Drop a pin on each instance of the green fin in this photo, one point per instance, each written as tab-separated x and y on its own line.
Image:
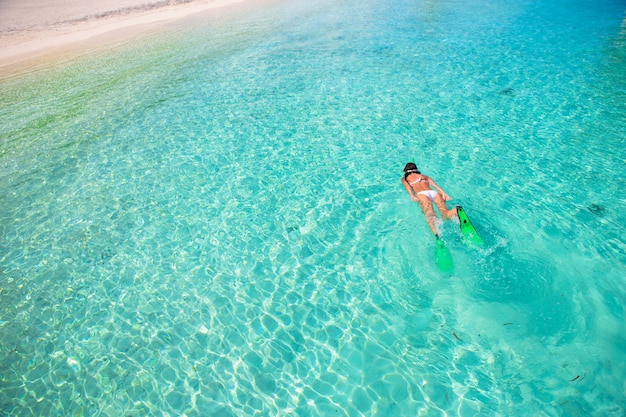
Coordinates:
443	258
467	228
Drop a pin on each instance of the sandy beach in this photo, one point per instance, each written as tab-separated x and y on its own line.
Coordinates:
33	30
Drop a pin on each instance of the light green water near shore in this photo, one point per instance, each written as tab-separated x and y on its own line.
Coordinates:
211	222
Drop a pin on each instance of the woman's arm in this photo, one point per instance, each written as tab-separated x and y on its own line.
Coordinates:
409	189
433	184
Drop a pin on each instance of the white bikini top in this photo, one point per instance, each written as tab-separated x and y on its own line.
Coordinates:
420	179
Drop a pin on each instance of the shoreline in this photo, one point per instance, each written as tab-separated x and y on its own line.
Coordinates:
27	47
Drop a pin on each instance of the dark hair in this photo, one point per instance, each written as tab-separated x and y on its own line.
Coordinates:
410	168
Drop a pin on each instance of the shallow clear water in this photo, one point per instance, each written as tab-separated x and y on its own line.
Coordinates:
211	222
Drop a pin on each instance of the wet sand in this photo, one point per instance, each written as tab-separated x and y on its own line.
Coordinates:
36	30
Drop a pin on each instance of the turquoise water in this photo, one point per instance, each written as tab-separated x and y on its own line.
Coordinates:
210	222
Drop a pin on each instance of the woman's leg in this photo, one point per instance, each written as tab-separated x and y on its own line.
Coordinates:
443	209
429	212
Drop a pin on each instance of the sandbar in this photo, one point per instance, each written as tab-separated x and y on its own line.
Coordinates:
36	30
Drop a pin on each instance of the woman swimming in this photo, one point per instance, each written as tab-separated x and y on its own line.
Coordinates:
419	188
